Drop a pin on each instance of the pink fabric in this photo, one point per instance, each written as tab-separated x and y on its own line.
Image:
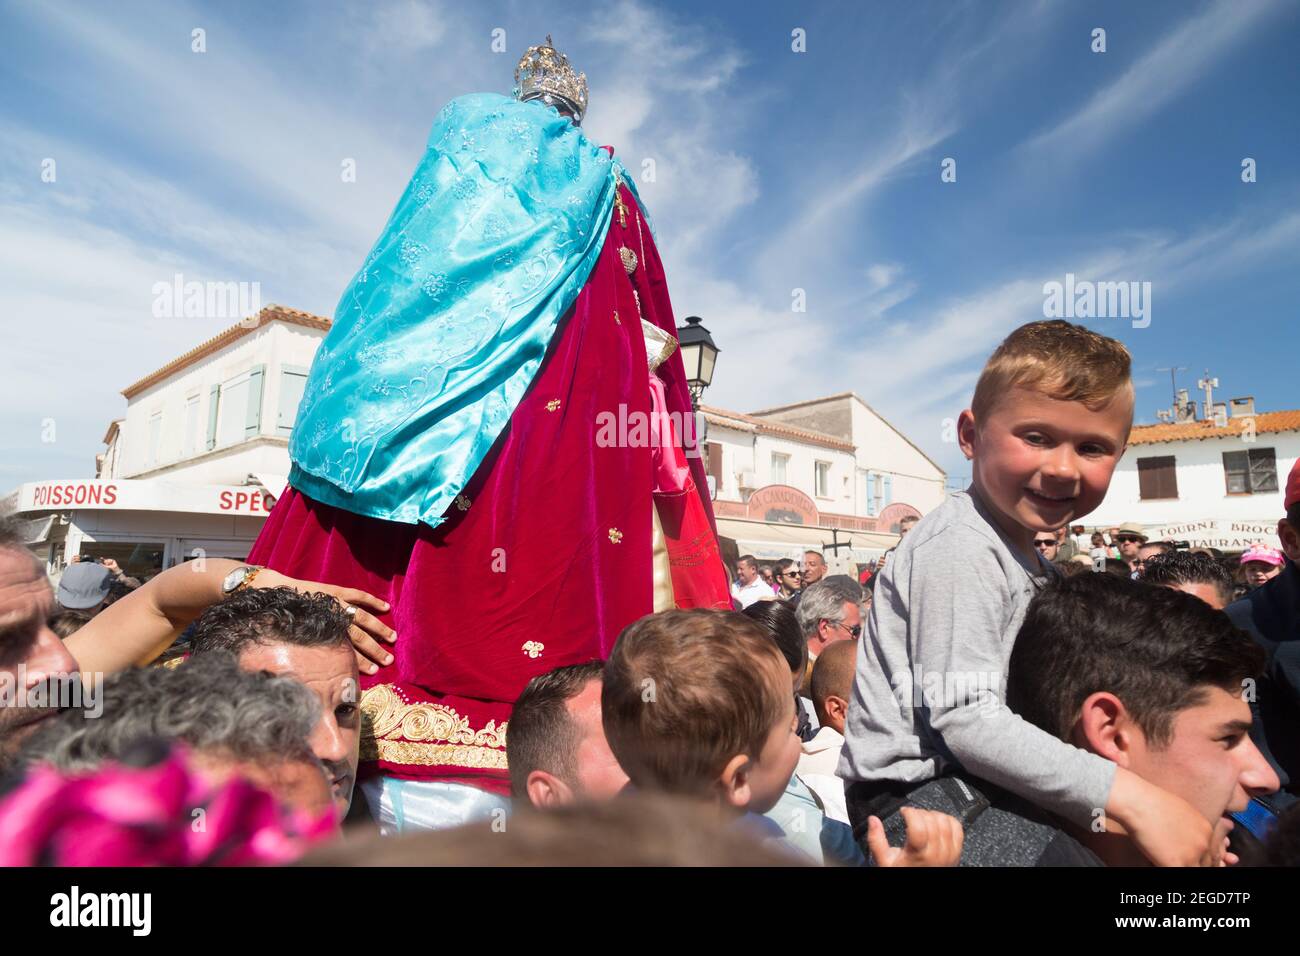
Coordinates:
553	547
671	471
125	816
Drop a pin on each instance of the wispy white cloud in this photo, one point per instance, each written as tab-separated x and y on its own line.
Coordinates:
1180	59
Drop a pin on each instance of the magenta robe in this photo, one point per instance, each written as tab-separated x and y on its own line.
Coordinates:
544	558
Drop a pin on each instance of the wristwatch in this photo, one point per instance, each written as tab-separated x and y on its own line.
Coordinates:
240	578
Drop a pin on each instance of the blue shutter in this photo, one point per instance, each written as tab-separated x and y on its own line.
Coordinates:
253	421
214	397
872	505
889	490
293	379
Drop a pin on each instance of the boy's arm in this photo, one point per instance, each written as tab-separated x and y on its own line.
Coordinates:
958	612
959	607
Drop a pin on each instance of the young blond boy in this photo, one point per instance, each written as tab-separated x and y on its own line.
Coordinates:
698	703
1048	423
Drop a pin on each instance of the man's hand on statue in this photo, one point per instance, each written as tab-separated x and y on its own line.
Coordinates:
366	630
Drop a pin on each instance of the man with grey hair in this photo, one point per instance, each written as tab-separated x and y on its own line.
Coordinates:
234	722
830	611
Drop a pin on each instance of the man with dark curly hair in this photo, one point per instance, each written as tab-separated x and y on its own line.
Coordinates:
303	636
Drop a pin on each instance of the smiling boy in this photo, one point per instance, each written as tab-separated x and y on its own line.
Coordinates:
1049	421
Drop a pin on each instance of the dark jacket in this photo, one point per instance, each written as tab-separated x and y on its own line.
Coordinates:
1000	828
1271	615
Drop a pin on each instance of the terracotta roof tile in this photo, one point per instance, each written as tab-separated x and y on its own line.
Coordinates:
1265	422
765	426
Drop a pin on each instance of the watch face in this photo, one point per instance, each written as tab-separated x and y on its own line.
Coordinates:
234	579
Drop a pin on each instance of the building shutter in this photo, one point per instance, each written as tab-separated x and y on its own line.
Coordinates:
1263	470
214	397
715	463
1157	477
293	381
253	419
1236	472
889	490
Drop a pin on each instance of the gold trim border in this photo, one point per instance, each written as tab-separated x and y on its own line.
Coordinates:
426	734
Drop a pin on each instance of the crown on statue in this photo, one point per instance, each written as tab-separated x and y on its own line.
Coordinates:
544	74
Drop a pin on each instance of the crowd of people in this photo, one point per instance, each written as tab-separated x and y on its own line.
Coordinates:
1004	687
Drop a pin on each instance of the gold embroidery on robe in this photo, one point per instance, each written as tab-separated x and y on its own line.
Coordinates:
425	734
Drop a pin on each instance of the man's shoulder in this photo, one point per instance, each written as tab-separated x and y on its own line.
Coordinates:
1270	613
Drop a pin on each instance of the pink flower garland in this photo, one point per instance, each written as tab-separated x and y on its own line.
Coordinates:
154	816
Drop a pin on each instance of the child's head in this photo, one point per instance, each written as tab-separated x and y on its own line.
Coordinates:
699	703
832	683
1050	418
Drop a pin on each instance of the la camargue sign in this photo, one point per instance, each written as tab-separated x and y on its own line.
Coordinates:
132	495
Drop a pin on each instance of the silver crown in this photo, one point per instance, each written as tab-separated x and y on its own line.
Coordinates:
544	74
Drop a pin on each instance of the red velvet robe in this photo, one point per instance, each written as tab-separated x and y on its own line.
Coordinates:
544	558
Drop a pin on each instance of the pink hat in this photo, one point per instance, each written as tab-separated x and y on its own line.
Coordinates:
1262	552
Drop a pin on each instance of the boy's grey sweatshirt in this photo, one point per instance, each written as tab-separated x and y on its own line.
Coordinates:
931	678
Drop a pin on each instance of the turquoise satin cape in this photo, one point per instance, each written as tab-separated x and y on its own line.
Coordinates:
437	338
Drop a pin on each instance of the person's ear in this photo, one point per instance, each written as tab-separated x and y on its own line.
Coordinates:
837	712
967	433
547	790
1106	728
733	783
1290	537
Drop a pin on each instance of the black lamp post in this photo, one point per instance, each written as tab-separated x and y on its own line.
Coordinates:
698	356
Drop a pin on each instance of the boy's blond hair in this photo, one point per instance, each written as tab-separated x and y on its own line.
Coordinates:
1063	361
685	691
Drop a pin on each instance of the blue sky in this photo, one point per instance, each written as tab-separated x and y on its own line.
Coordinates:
775	171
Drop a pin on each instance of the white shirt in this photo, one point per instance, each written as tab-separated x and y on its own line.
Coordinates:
816	768
756	590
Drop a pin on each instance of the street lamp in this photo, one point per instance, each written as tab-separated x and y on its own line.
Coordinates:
698	356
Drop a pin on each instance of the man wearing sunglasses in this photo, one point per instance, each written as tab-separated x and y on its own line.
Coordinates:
828	612
1130	538
788	578
1047	545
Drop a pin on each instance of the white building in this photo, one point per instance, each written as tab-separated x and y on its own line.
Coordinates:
1213	485
815	474
197	461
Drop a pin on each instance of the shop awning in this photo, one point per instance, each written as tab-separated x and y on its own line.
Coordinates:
771	540
274	484
36	531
